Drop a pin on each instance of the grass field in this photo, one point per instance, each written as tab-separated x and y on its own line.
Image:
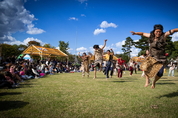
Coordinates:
68	95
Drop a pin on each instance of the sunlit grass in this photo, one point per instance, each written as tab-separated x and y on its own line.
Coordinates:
69	95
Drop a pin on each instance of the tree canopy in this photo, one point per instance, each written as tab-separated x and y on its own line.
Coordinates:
127	46
64	46
33	43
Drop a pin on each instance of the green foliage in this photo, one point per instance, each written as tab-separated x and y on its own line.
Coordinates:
64	46
170	48
33	43
128	45
175	52
142	43
124	56
9	50
47	45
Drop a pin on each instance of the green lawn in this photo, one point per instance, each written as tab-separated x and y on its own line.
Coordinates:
68	95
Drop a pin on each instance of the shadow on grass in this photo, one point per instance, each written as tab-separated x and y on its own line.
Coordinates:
169	95
10	93
164	78
26	85
168	80
7	105
164	83
121	81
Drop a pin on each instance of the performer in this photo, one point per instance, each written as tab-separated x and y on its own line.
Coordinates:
85	63
109	59
113	67
98	57
153	66
120	66
131	67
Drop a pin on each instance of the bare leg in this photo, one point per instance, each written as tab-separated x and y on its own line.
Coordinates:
154	81
100	68
94	73
147	81
83	73
88	74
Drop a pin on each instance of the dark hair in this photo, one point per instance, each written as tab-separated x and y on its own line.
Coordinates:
108	51
158	26
7	73
84	53
152	35
96	46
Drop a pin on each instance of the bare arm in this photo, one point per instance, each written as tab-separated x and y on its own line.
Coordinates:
140	33
112	51
90	54
79	55
170	32
104	44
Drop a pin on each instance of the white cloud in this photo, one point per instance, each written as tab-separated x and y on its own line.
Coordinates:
73	18
13	41
175	37
33	39
70	50
83	15
103	27
134	52
25	42
98	31
82	1
118	52
82	49
105	24
119	44
14	18
33	30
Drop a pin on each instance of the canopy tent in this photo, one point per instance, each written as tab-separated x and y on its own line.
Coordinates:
43	51
27	57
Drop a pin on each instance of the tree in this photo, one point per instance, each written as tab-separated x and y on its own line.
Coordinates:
64	46
175	52
22	47
8	50
47	45
124	57
33	43
142	44
170	48
127	47
18	49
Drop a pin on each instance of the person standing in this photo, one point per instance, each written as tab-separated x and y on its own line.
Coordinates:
153	65
98	57
131	67
120	66
113	67
171	70
109	59
85	62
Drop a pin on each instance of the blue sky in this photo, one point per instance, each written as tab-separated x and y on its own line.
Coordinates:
84	23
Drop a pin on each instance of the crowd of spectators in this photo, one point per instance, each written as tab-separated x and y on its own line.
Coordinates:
13	71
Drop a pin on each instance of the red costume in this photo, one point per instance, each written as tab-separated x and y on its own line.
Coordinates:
120	66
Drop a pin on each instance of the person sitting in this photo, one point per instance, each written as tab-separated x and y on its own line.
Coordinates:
37	75
10	80
14	73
